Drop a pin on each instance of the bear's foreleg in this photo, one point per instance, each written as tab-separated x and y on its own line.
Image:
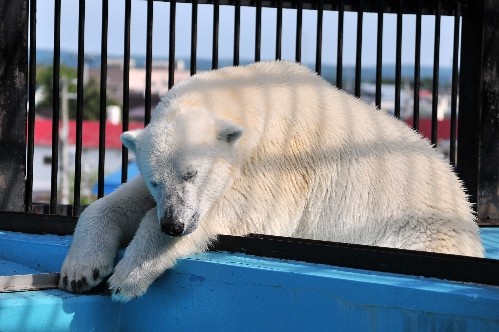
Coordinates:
101	228
150	253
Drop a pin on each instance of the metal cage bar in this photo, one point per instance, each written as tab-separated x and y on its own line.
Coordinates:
358	49
448	267
417	69
379	56
147	92
194	37
103	97
171	46
299	28
436	67
258	30
13	101
237	32
339	48
476	145
216	23
455	83
478	125
318	45
390	7
79	107
398	60
28	198
278	34
126	88
55	106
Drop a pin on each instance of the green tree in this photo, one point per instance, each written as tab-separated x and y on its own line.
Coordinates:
91	92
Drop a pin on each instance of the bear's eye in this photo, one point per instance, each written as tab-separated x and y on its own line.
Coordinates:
189	174
154	184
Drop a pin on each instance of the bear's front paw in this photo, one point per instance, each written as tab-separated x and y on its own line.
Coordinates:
129	282
80	275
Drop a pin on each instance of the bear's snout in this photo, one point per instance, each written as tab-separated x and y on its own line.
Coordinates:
170	223
172	228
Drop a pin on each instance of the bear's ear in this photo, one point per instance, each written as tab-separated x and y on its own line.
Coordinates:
229	132
129	139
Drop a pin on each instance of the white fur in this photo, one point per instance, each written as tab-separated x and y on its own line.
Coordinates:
277	150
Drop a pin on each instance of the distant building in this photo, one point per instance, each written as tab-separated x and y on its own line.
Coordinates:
368	93
42	158
137	83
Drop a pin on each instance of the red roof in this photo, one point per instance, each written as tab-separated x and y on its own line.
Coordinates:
90	133
443	127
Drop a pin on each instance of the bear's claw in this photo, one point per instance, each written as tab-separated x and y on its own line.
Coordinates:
128	281
77	286
65	282
80	278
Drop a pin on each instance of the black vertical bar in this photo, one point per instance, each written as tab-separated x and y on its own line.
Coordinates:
258	30
171	48
455	82
56	106
147	103
216	20
398	60
79	107
126	88
478	124
103	97
299	26
13	100
194	36
470	103
436	61
417	69
28	198
318	47
237	29
278	38
339	54
358	51
488	199
379	56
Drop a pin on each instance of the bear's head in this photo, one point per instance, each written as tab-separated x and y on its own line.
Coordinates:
188	158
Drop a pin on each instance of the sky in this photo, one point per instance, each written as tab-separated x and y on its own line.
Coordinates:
69	33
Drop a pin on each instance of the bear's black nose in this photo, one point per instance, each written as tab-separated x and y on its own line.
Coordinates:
170	223
172	228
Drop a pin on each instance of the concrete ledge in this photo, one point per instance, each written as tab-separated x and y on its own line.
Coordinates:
222	291
218	291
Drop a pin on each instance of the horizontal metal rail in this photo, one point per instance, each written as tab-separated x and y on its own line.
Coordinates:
407	262
389	6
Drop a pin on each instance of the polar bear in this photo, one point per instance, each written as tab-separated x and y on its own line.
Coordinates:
267	148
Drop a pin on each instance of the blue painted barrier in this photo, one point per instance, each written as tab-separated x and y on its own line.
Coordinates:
222	291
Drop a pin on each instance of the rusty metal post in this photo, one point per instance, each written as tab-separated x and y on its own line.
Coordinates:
478	136
13	100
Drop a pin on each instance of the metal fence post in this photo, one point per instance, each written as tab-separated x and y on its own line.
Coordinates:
13	99
478	136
